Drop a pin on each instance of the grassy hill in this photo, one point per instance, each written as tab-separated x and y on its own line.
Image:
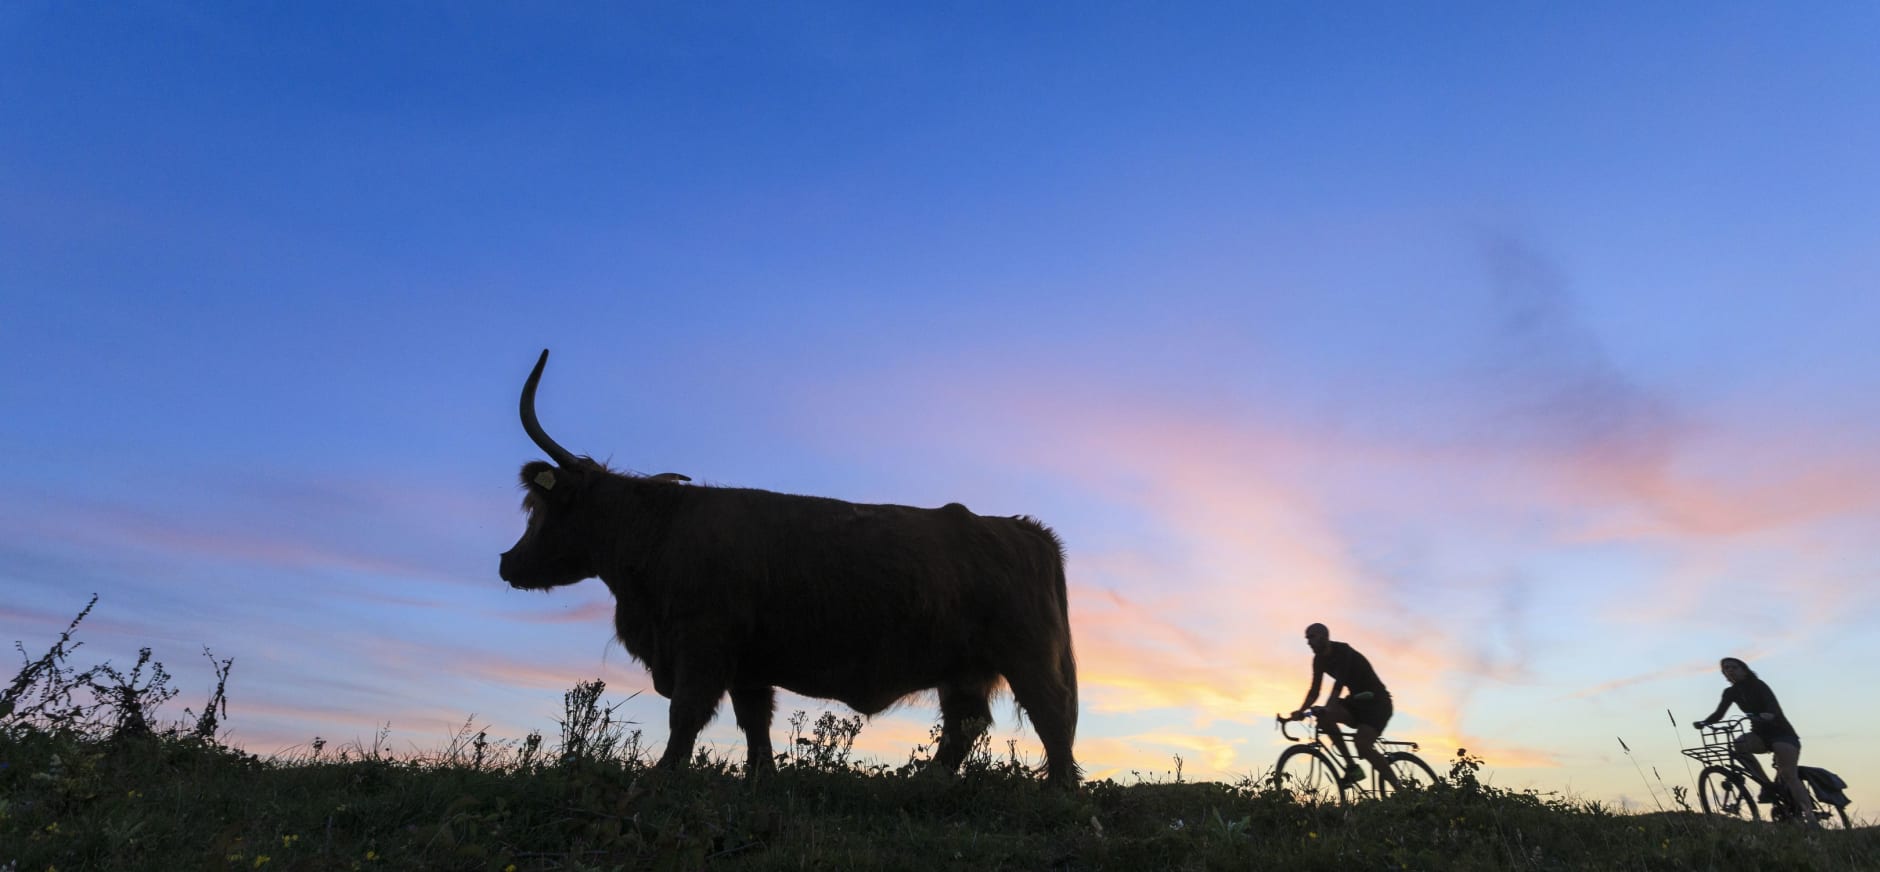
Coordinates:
90	780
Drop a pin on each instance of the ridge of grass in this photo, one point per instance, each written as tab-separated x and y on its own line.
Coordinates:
90	778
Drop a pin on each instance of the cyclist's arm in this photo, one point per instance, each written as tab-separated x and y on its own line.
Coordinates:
1311	695
1759	702
1722	704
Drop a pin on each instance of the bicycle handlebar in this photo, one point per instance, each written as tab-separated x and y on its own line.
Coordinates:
1285	723
1285	729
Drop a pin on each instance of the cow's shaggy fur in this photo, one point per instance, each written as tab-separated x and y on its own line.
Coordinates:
739	591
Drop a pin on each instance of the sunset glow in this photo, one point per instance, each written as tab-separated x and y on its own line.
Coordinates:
1529	349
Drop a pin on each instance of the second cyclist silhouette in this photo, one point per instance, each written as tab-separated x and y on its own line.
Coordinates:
1769	733
1364	704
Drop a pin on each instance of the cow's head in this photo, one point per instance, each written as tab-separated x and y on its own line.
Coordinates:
557	548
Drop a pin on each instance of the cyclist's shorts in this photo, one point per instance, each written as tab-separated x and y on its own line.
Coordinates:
1375	711
1769	741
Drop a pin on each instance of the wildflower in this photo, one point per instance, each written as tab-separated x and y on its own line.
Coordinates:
510	868
261	860
133	794
52	827
1312	835
288	841
235	857
372	856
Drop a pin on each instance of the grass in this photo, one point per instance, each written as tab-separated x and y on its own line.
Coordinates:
91	778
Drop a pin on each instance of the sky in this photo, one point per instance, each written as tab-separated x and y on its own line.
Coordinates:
1528	347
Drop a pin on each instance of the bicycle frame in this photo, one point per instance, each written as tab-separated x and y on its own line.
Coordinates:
1722	786
1315	745
1318	736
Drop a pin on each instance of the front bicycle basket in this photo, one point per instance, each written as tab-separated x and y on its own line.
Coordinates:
1719	744
1710	755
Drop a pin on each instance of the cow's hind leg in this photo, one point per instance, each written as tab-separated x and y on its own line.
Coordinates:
1049	698
965	713
754	706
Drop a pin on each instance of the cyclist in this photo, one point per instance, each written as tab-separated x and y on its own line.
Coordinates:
1769	733
1366	704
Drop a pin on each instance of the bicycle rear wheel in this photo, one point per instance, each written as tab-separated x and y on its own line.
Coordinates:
1830	817
1411	772
1304	774
1722	791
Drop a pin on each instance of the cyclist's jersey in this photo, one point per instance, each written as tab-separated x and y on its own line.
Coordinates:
1754	697
1349	668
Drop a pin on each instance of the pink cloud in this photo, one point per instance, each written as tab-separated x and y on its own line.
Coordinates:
595	614
1247	514
117	528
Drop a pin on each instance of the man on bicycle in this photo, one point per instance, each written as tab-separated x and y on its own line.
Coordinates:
1365	705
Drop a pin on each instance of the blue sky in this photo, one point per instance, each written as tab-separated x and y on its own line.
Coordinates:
1529	348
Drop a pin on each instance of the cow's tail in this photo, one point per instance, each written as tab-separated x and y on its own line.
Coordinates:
1066	653
1060	669
1067	671
1067	656
1067	659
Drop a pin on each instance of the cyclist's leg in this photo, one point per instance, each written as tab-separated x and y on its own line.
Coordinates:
1366	737
1371	716
1786	757
1330	716
1748	746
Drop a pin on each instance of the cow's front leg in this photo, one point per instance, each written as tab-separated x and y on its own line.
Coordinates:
754	706
965	713
696	689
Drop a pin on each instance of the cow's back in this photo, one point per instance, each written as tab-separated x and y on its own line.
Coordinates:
863	603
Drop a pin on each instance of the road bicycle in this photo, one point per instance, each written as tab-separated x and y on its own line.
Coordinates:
1727	788
1312	771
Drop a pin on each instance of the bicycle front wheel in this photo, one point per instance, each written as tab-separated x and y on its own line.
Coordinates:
1412	773
1722	791
1305	775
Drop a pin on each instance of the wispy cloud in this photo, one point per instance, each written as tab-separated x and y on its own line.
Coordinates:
1680	670
593	614
125	528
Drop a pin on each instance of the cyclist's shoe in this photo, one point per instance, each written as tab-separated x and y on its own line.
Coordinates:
1353	775
1767	794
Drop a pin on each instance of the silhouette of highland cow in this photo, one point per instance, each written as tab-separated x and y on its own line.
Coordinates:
734	590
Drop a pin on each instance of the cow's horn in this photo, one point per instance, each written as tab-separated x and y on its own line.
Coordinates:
560	455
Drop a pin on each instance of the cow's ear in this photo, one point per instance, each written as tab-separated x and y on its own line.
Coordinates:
554	484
